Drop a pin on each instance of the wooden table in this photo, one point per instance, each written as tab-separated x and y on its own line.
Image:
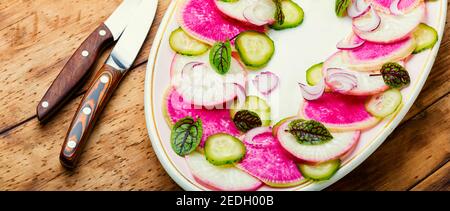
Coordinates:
37	38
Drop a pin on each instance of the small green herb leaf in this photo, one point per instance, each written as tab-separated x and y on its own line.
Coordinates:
246	120
279	15
309	132
341	7
186	135
220	57
395	75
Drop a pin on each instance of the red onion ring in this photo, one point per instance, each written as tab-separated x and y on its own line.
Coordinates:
375	22
312	92
250	15
190	66
241	94
266	82
346	44
343	81
394	8
358	8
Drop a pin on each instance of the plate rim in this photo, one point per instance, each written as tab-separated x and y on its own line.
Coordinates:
365	153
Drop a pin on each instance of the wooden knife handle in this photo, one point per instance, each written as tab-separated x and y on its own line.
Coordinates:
75	72
94	101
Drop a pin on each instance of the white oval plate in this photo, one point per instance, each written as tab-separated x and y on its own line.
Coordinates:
311	43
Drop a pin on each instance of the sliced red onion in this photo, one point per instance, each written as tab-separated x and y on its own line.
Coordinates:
251	16
252	134
347	44
358	8
361	4
342	81
312	92
241	95
394	8
266	82
375	22
190	66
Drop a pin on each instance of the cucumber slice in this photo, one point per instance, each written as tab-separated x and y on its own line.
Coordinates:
426	37
384	104
184	44
314	74
319	172
256	105
223	149
293	13
255	49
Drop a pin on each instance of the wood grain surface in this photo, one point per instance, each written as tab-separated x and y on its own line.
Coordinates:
38	37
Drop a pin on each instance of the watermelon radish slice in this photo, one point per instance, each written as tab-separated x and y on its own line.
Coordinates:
365	84
339	112
256	12
214	121
403	6
202	20
220	178
341	144
372	56
200	84
267	160
392	27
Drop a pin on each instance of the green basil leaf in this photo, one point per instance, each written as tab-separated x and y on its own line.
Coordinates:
341	7
186	136
220	57
309	132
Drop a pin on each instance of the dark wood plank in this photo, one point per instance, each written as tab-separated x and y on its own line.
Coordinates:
118	155
438	181
408	155
34	50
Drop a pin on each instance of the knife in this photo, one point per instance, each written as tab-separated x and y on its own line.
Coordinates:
106	82
76	71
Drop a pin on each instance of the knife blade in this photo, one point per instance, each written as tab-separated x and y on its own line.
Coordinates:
106	82
76	70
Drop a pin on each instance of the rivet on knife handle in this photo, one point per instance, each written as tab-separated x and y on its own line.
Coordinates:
91	106
75	72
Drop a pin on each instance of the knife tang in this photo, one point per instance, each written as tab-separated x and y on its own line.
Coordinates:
94	101
75	72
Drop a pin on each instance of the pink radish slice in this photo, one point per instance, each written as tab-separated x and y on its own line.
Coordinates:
340	145
393	28
214	121
339	112
358	8
371	24
365	84
220	178
203	86
312	92
267	160
372	56
202	20
266	82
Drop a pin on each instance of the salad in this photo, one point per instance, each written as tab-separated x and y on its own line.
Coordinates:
228	137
